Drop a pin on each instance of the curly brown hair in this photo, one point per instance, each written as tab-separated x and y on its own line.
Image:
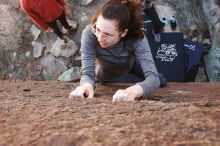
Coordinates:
127	12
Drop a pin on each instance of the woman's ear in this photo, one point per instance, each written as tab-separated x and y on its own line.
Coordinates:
123	34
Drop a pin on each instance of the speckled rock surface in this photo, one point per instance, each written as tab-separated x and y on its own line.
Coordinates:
40	113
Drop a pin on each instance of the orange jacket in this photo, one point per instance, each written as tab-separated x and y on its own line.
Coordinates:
42	11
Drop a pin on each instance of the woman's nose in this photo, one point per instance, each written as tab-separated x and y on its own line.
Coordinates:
100	37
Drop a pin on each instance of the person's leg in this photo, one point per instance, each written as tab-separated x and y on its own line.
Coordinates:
55	28
151	13
63	20
153	16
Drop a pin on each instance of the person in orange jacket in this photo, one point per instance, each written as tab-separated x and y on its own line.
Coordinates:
45	13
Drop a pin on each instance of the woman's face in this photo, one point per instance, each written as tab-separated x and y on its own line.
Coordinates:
107	32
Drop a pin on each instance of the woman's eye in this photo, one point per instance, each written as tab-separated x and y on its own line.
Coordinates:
97	30
108	35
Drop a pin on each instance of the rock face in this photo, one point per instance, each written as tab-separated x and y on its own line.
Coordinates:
212	11
19	36
60	48
40	113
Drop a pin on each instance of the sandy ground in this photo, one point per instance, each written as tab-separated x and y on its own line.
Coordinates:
40	113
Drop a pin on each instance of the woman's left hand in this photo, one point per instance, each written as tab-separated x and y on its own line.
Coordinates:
128	94
122	95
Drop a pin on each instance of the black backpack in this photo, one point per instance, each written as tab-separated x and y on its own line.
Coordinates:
176	58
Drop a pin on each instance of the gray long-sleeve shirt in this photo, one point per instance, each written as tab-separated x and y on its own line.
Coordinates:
117	55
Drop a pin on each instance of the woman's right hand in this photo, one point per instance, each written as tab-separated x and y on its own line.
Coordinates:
83	91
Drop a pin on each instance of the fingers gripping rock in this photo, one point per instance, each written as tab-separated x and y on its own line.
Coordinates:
78	93
121	95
